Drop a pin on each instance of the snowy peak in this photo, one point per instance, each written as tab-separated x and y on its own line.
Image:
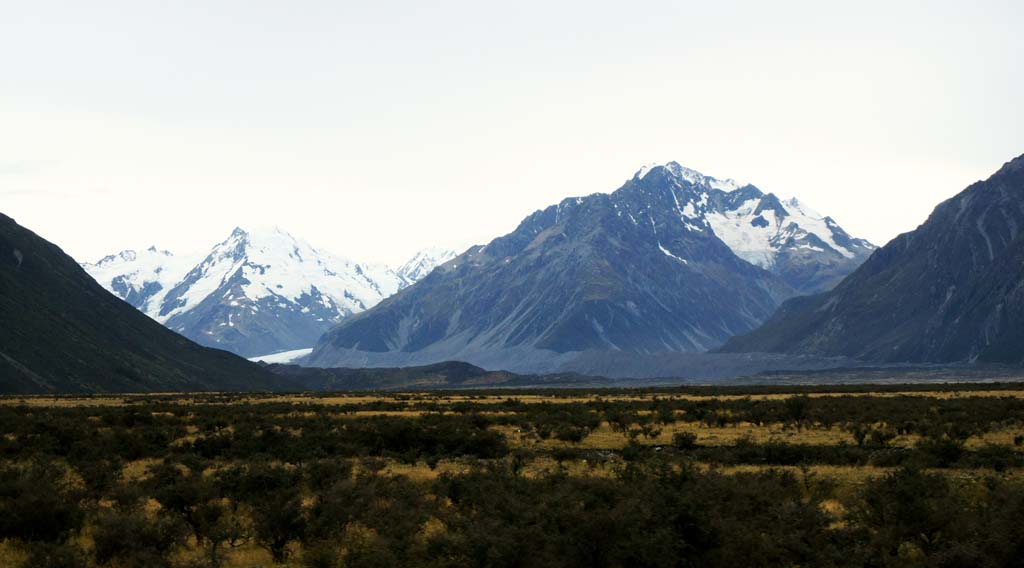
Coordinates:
809	250
260	290
687	175
759	228
271	263
424	262
242	242
142	278
128	256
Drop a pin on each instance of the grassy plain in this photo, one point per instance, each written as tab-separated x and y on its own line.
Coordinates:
837	442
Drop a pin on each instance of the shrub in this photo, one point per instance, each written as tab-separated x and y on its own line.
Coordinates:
38	503
684	440
134	540
50	555
273	500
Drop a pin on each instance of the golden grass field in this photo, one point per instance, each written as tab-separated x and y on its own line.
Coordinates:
604	437
316	399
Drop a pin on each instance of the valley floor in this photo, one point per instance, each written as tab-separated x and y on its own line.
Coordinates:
762	475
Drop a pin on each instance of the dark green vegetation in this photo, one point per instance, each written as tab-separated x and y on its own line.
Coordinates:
514	478
951	290
445	375
61	332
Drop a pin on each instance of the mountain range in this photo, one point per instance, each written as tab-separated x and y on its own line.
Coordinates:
639	282
672	262
257	292
62	332
952	290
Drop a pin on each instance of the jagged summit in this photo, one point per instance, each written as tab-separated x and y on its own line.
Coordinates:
691	176
809	251
424	262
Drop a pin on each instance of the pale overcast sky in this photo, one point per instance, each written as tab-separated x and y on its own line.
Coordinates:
373	129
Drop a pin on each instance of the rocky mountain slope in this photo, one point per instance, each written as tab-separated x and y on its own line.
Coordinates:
951	290
62	332
643	270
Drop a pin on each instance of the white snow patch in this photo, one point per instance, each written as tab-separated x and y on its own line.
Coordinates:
690	212
282	357
810	247
139	269
757	238
669	254
424	262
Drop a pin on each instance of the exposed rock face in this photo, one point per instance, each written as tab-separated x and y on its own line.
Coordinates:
642	270
951	290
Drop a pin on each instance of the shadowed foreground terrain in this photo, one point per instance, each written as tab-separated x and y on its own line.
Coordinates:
849	475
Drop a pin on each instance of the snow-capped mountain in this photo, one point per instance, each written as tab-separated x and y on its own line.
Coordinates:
257	292
141	277
685	175
424	262
809	251
672	262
